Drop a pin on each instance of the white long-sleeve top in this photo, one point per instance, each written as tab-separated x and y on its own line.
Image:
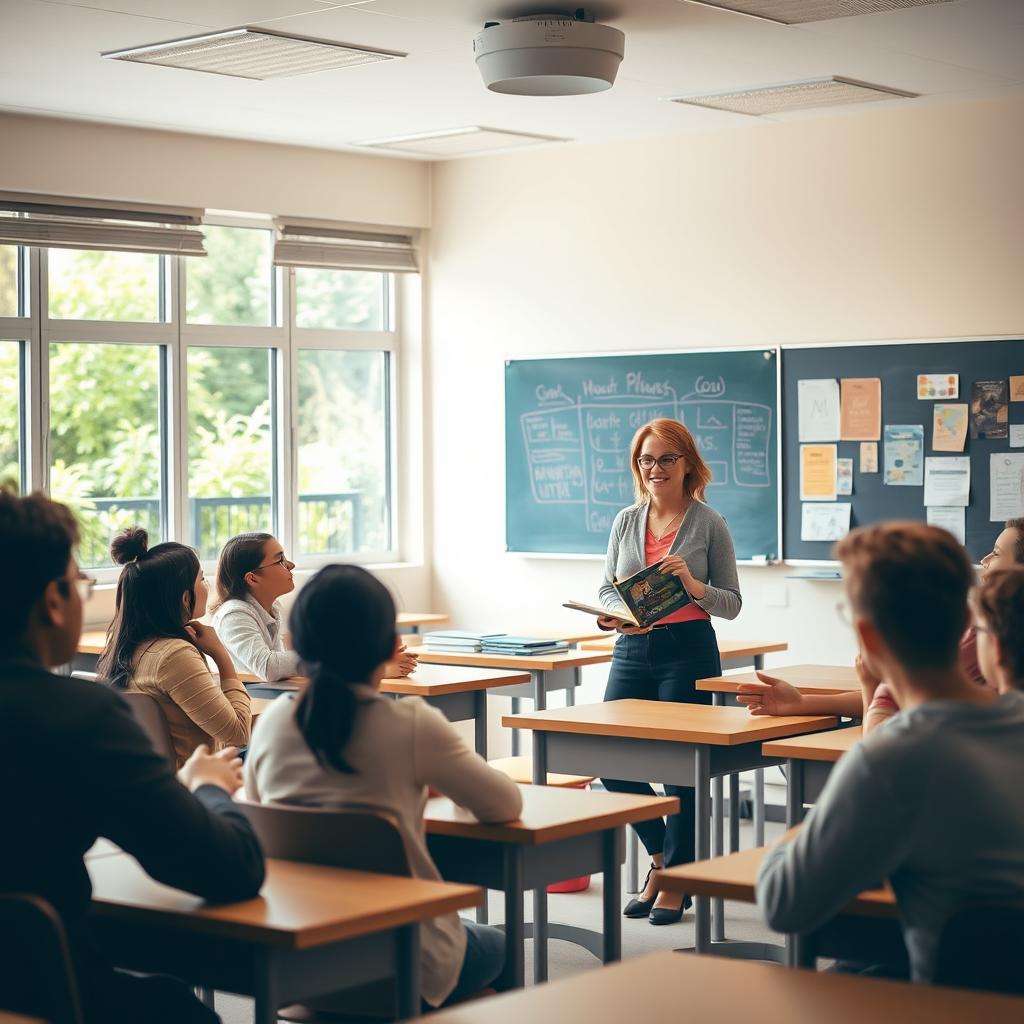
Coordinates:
254	638
398	749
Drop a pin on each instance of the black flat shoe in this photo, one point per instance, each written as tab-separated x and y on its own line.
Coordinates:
662	915
641	908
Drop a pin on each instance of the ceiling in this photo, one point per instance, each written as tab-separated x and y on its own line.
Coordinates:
50	65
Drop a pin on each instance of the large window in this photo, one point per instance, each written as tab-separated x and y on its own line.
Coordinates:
234	284
10	414
90	285
105	460
340	300
10	277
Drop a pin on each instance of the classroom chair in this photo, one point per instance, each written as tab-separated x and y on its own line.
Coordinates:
146	711
981	948
36	976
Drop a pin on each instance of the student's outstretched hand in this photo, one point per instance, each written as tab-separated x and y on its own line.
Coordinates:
222	769
771	696
401	665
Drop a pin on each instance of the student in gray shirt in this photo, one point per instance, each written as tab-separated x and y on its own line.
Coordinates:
931	801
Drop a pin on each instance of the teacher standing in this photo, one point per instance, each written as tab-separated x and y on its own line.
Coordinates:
669	524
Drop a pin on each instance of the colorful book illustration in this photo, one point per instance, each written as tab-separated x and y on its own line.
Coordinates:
648	595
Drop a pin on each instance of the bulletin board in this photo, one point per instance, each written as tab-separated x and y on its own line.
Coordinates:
898	367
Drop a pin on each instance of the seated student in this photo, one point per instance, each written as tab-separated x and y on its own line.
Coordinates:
340	743
998	605
774	696
931	802
78	767
157	645
252	573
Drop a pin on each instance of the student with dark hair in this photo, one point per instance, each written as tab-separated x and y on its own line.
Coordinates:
156	645
78	767
931	802
253	573
998	606
343	744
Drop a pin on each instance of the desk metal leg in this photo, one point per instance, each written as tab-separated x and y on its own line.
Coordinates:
517	706
734	813
759	807
612	896
540	697
702	780
717	844
407	971
266	991
794	793
540	934
480	722
577	681
540	758
632	861
514	974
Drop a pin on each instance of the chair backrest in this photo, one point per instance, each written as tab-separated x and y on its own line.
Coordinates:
36	976
80	673
360	839
982	947
146	711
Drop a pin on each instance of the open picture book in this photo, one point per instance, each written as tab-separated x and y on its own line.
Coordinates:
648	596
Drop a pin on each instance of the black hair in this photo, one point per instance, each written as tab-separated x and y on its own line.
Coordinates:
343	629
39	535
148	602
241	555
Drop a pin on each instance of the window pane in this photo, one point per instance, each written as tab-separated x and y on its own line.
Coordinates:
9	281
105	440
231	285
343	452
230	445
90	285
10	415
339	299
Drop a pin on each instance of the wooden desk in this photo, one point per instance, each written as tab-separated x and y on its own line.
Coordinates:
809	761
562	833
867	930
312	930
655	987
806	678
17	1018
410	622
682	744
734	652
548	672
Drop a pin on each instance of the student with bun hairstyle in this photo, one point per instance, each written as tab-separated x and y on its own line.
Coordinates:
157	645
342	744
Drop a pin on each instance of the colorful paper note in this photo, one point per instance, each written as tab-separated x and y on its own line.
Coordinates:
1006	487
947	480
817	472
829	521
904	455
868	457
952	518
1017	389
860	416
949	429
938	385
844	476
989	409
818	409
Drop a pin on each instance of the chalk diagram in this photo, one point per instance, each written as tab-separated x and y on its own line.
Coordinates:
577	446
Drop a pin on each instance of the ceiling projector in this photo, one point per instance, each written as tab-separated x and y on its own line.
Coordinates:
548	55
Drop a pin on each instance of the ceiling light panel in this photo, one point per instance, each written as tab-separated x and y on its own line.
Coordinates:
460	142
794	96
798	12
254	53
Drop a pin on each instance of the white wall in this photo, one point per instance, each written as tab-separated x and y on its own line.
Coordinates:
862	226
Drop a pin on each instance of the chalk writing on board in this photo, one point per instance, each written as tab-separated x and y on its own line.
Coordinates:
577	445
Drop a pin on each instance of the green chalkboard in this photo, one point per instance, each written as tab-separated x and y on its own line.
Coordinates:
569	422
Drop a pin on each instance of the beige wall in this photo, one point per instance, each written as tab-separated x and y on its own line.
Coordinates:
876	225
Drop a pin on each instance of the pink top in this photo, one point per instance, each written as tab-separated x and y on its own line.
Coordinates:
654	551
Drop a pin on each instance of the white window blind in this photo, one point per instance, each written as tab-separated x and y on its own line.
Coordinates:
339	248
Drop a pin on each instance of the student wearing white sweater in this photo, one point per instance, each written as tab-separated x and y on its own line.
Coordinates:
342	744
253	573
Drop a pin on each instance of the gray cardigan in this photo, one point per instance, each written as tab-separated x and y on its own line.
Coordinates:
703	542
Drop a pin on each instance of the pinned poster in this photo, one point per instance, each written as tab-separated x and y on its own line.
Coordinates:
937	385
818	409
844	476
952	518
860	414
904	455
1017	389
829	521
1017	435
990	412
949	428
1006	486
947	480
817	472
868	457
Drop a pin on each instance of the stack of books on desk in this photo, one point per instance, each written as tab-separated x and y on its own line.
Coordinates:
456	641
522	645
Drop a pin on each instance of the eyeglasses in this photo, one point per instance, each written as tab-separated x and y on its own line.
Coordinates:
83	584
281	560
666	461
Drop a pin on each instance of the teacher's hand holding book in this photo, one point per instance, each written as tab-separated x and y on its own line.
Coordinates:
620	626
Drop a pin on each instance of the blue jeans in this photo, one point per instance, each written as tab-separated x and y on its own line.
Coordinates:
665	665
483	962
